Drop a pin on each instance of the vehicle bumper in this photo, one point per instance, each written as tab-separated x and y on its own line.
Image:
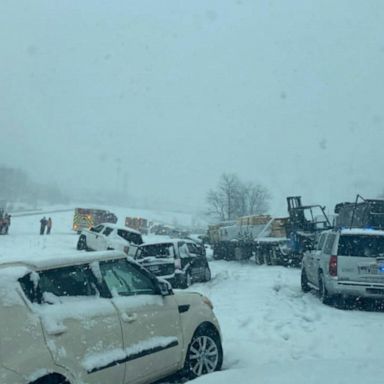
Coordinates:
356	289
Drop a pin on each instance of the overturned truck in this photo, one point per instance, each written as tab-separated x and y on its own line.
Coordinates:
272	241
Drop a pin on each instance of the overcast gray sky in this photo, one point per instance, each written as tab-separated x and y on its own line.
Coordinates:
160	97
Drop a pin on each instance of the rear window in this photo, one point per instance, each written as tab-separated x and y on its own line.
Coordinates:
132	237
157	250
45	286
361	246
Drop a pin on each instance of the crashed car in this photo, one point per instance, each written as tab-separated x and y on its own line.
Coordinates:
109	236
180	262
96	318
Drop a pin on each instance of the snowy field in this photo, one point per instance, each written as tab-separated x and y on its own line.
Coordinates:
273	333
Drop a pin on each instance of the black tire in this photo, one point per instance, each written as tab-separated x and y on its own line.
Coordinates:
217	253
204	354
52	379
238	253
323	293
259	258
304	282
342	302
267	259
82	243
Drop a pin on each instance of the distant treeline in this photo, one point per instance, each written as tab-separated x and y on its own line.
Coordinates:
16	186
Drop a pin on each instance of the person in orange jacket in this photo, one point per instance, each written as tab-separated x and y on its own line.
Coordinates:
49	225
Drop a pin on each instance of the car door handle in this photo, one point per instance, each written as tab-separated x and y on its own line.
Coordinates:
129	318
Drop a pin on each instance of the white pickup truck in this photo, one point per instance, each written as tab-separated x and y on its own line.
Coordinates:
108	236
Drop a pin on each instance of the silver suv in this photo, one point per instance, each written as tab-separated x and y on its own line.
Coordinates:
99	318
346	263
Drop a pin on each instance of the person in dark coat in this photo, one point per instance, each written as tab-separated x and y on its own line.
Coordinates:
8	223
49	225
43	224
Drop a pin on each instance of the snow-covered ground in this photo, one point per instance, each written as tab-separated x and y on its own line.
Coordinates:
273	333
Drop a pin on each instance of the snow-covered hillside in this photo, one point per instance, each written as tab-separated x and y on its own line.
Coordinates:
273	333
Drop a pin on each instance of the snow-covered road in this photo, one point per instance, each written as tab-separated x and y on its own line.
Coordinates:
273	333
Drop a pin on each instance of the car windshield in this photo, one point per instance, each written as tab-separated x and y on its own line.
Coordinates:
157	250
361	246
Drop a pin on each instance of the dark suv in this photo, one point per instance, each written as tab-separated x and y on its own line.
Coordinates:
181	262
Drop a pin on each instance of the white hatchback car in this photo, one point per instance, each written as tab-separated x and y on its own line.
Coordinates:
109	236
100	318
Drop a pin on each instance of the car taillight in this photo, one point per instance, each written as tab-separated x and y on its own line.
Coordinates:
126	249
332	268
177	263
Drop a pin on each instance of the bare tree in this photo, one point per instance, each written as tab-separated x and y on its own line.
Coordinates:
258	199
216	205
232	198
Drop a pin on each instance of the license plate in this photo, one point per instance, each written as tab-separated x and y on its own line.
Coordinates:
154	268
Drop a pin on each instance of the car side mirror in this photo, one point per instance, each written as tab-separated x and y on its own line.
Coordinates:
164	287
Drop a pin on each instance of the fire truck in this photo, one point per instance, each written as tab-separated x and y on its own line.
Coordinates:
85	218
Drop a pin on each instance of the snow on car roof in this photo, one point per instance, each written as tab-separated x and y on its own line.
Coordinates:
115	226
361	231
74	258
170	241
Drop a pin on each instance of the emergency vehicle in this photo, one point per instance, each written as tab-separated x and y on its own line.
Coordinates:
85	218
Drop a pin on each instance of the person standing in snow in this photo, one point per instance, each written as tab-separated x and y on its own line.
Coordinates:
7	222
43	224
49	225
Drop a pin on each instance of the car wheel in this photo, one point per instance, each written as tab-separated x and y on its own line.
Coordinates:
82	243
323	293
267	259
259	259
52	379
207	274
304	281
205	353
